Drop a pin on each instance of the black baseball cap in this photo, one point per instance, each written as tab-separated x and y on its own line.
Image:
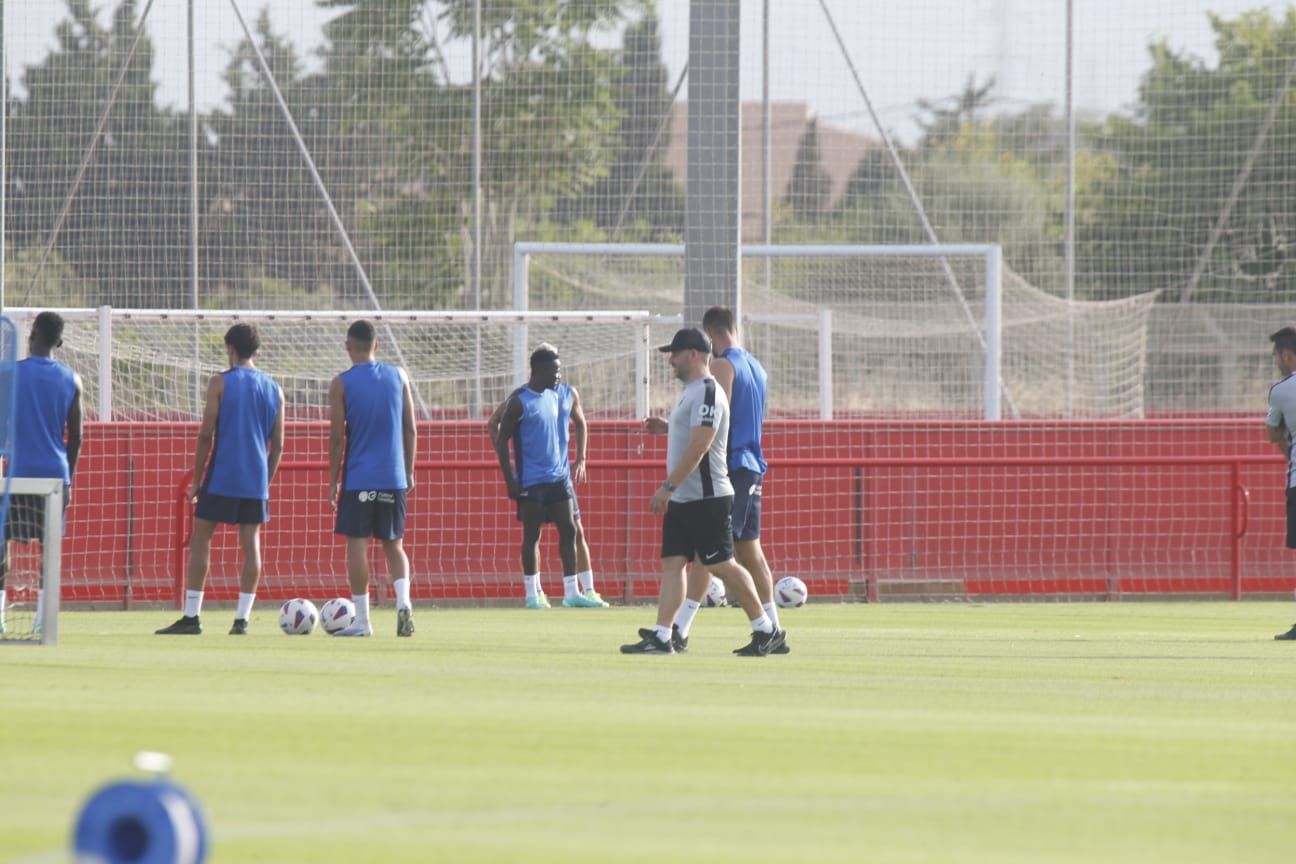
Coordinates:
688	338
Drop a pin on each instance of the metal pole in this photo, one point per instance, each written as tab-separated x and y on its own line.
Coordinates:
767	179
1068	217
193	212
993	379
476	192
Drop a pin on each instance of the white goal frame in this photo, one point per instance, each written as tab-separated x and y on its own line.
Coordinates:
51	553
989	330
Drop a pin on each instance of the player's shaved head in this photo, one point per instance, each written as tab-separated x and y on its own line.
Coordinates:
362	332
244	339
48	329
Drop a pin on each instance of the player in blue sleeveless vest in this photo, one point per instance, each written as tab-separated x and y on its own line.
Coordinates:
534	421
242	432
744	381
49	403
372	434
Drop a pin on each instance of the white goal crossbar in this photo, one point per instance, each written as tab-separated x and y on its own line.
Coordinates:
989	331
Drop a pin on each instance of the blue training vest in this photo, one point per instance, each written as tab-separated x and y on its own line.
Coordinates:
249	404
375	449
46	389
747	411
540	443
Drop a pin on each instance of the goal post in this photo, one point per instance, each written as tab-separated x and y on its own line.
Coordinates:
34	584
986	330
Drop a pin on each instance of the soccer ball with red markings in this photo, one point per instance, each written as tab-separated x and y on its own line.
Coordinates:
297	617
716	595
337	614
790	592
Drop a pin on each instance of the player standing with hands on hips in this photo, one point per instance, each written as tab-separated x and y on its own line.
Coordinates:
696	499
1278	426
371	422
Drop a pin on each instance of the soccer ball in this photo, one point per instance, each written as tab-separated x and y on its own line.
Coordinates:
337	614
297	617
790	592
715	595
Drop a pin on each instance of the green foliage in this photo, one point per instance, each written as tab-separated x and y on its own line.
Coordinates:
810	187
1173	163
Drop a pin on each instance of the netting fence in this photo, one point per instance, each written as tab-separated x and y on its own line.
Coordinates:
331	160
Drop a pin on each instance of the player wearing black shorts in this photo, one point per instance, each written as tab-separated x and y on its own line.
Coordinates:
372	434
47	441
534	420
744	381
242	431
696	501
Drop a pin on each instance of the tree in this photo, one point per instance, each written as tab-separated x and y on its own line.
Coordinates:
809	190
126	231
946	117
549	114
264	222
639	189
1175	160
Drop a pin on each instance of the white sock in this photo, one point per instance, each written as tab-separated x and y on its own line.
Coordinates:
663	633
402	593
762	624
771	612
193	604
40	609
361	602
684	618
245	602
569	587
586	578
531	582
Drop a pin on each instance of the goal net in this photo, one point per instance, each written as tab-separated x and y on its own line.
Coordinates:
915	330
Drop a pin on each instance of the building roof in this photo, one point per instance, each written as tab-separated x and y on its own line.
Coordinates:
840	150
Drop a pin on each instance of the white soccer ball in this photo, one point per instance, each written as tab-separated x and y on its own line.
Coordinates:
297	617
337	614
716	595
790	592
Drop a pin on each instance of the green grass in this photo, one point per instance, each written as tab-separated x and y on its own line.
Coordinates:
893	733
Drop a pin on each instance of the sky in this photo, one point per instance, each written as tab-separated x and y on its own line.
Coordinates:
903	51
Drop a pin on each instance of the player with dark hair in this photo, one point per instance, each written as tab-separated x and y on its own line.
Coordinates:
47	441
243	432
697	500
534	419
1278	426
371	422
744	381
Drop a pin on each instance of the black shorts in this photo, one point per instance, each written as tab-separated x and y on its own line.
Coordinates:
699	529
377	513
1291	518
746	503
231	511
549	493
26	519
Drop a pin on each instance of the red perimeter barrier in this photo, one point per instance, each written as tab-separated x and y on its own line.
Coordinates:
876	508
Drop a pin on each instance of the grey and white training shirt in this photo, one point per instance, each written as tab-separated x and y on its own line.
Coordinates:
703	403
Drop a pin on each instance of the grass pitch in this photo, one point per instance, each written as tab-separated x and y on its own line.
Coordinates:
893	733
